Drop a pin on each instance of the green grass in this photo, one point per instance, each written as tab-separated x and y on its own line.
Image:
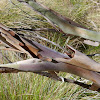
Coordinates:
29	86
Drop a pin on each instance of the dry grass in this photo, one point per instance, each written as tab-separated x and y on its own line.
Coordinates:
29	86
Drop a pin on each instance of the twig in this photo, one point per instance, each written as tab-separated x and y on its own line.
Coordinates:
38	29
10	49
65	80
8	70
94	55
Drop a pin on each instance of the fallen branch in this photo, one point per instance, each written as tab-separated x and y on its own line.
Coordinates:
67	26
36	65
46	59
